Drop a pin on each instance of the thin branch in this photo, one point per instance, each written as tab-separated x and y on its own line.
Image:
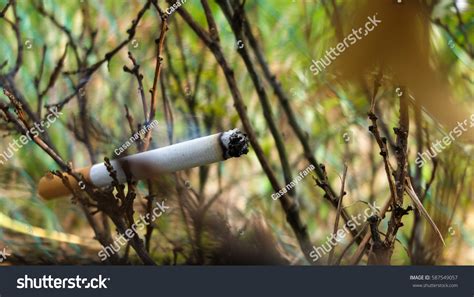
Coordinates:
338	212
288	204
158	66
135	70
235	20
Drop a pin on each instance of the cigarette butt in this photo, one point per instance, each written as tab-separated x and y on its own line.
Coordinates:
51	186
181	156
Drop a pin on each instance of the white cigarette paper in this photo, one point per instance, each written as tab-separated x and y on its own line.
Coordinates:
148	165
197	152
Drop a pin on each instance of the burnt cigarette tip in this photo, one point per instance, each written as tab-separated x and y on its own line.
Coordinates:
234	143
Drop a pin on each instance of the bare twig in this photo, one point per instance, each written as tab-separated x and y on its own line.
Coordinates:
135	70
338	212
159	62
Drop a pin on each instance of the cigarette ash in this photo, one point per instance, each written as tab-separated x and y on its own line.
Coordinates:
234	143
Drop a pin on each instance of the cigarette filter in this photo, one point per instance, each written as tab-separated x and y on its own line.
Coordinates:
197	152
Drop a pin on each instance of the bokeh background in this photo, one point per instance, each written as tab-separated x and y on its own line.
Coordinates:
224	213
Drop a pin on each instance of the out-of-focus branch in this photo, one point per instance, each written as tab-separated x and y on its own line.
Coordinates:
5	8
302	135
87	71
235	22
289	205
